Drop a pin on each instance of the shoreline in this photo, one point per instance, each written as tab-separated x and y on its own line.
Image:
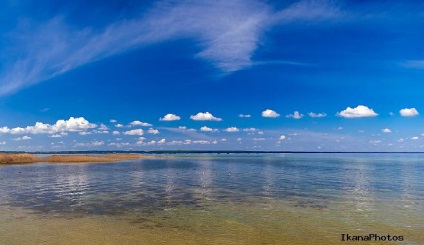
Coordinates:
27	158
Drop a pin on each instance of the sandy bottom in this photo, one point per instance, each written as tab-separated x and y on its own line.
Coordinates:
266	223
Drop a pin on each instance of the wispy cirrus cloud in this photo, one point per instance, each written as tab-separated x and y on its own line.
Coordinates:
226	32
413	64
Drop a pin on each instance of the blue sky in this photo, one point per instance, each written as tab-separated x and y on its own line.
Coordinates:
237	75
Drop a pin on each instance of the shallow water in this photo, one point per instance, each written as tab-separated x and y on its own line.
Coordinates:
210	199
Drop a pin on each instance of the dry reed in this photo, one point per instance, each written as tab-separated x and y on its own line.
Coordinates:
18	158
13	158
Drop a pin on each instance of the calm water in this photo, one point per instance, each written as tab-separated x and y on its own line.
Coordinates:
272	199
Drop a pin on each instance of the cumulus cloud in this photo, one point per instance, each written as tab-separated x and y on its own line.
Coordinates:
204	117
119	125
115	132
244	115
207	129
386	130
84	133
55	136
270	113
138	123
250	130
409	112
103	127
359	111
295	115
316	115
232	130
201	142
415	138
25	137
170	117
71	125
90	144
152	131
134	132
119	145
179	142
282	137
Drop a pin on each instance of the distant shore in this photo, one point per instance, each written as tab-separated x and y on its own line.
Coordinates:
23	158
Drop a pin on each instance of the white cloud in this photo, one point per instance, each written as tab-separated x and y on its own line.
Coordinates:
415	138
232	130
71	125
84	133
204	117
152	131
409	112
170	117
375	141
4	130
202	142
282	137
152	142
17	130
182	127
91	144
161	142
25	137
227	33
244	115
115	133
179	142
138	123
120	144
55	136
386	130
97	143
250	130
113	120
134	132
103	127
258	139
270	113
100	131
2	142
119	125
295	115
207	129
316	115
359	111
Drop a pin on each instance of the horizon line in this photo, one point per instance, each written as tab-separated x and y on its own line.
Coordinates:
213	151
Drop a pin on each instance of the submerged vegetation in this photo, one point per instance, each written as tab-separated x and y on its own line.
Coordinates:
17	158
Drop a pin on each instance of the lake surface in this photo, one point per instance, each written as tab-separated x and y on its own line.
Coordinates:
215	199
